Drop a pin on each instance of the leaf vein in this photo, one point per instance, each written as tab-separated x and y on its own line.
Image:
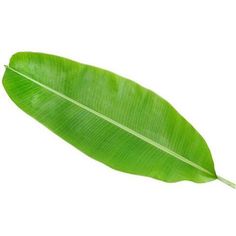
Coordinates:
123	127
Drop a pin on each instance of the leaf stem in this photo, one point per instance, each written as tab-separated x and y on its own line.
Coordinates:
225	181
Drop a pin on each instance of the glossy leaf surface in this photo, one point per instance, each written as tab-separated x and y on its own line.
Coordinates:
111	119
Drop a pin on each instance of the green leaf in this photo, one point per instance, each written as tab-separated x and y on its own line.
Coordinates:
110	118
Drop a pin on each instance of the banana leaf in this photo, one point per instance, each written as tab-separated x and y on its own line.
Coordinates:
110	118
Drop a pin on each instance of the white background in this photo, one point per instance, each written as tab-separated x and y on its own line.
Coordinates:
183	50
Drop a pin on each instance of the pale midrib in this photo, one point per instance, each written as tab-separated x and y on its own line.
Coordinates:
127	129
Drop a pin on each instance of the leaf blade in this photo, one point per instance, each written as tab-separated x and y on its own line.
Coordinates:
159	165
